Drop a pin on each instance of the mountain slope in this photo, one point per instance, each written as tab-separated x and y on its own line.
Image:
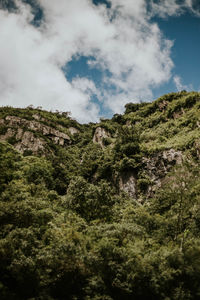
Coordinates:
101	211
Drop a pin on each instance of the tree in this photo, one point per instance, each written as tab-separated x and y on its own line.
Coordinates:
89	201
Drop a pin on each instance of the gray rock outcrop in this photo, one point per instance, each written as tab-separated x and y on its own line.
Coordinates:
99	135
73	130
23	132
157	167
127	183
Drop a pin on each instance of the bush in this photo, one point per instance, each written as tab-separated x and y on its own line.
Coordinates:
12	140
131	107
3	129
143	184
89	201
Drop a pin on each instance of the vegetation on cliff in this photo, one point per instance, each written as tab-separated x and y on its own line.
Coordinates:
111	217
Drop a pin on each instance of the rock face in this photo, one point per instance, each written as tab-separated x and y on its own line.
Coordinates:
22	131
29	142
163	105
99	135
33	135
13	121
157	167
197	148
9	133
127	183
172	156
73	130
37	117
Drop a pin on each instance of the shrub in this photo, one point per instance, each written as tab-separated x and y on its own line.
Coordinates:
3	129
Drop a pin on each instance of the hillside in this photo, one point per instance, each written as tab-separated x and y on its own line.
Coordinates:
107	210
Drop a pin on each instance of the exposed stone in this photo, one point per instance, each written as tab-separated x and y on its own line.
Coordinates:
157	167
197	147
9	133
99	135
37	126
162	105
61	141
36	117
128	123
73	130
19	134
30	142
26	140
13	121
58	140
45	130
173	156
127	183
58	134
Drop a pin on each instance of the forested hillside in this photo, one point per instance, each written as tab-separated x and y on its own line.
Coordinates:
101	211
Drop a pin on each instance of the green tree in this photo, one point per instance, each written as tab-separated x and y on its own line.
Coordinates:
89	201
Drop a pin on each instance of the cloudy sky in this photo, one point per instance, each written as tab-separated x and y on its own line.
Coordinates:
91	57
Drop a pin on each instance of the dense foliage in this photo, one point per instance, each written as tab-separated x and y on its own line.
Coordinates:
67	231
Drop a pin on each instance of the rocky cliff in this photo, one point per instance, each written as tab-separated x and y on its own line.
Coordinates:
134	151
33	135
108	210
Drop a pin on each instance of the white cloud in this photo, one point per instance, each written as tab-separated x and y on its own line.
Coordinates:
179	85
122	41
166	8
85	85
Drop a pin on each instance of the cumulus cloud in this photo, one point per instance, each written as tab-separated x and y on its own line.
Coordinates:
179	85
166	8
129	50
85	85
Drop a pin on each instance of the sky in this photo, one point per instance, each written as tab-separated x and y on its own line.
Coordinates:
91	57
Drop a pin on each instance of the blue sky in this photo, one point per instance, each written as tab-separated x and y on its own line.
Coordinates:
93	57
184	30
